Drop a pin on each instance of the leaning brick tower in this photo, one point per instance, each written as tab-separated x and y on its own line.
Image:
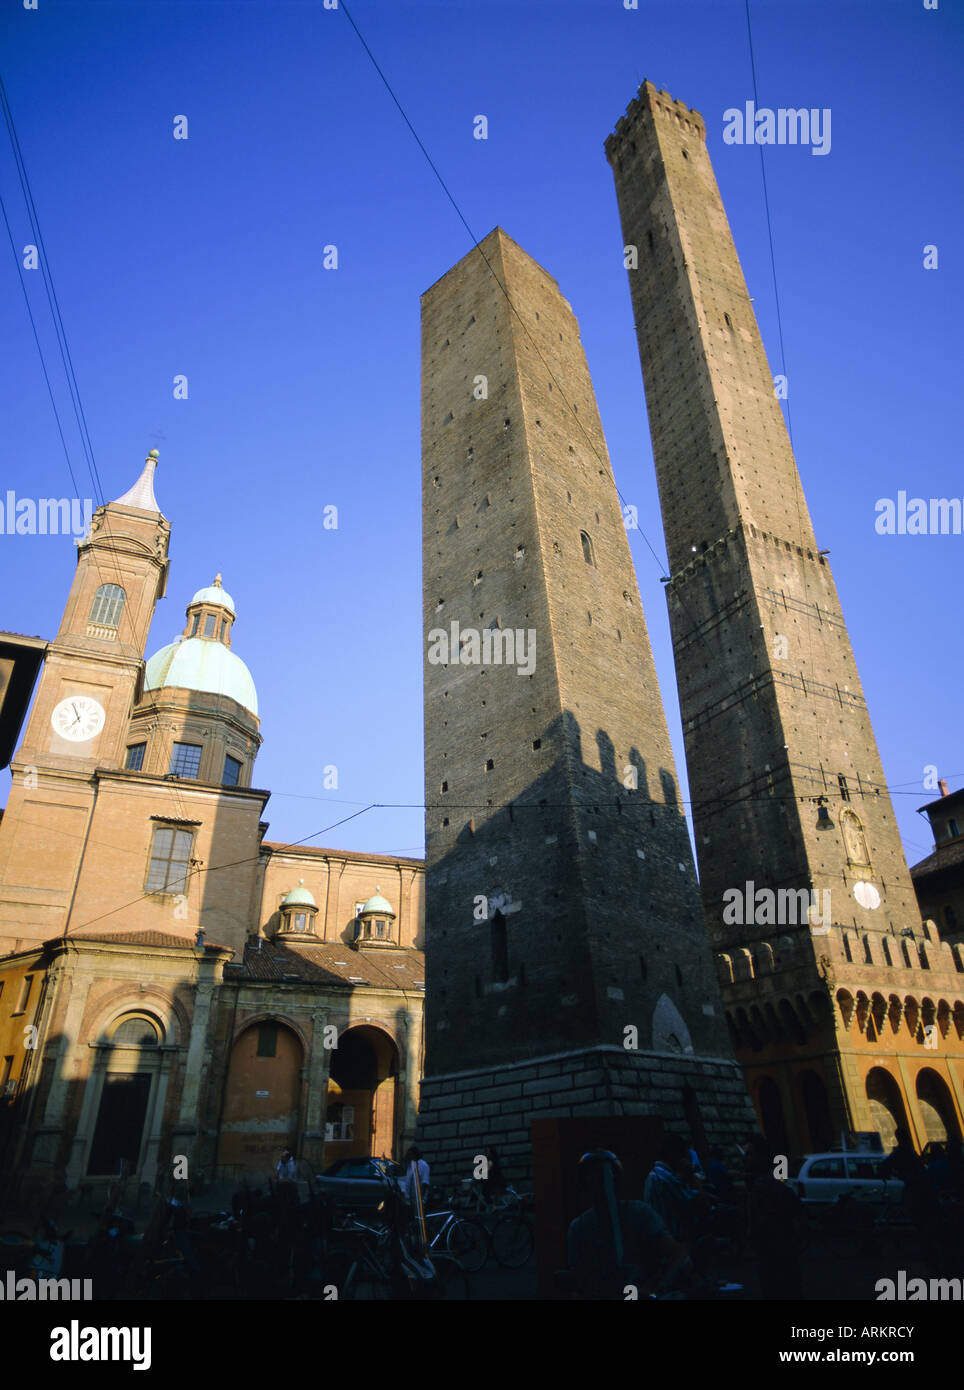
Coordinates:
568	966
835	1015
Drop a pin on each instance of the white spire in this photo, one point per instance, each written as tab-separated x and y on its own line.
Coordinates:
141	495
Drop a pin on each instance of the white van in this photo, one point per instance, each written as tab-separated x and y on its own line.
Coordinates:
827	1176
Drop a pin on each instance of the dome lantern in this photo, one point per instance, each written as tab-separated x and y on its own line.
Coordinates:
202	659
210	614
298	912
375	922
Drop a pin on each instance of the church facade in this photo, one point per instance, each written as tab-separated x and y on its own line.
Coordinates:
176	990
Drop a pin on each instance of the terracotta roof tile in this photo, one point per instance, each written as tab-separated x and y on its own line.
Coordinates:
944	857
332	963
141	938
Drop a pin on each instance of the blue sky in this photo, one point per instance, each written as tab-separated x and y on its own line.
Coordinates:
204	257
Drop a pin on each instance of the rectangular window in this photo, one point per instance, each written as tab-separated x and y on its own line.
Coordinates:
827	1168
24	999
170	860
210	623
340	1124
232	771
500	948
194	626
268	1040
185	759
135	757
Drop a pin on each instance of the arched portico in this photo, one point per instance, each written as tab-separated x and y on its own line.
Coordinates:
360	1118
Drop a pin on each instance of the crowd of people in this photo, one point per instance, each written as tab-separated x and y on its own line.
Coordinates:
646	1247
674	1236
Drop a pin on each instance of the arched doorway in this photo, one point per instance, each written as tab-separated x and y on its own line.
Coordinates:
360	1118
131	1067
816	1109
772	1120
886	1105
263	1097
936	1107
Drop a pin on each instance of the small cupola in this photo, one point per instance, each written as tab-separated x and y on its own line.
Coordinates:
298	912
376	921
211	613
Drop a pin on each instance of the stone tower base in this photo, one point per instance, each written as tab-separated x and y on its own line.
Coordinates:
462	1113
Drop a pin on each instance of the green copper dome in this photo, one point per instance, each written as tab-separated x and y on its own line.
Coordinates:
377	904
299	897
194	664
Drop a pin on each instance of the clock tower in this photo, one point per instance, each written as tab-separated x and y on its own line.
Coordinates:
90	680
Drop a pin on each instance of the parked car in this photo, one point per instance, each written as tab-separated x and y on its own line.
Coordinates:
357	1182
826	1176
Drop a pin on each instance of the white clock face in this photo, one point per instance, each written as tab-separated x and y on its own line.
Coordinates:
78	718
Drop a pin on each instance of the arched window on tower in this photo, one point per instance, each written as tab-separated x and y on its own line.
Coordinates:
588	554
108	605
855	841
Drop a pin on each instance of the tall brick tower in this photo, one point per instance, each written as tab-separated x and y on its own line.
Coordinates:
79	721
789	798
568	966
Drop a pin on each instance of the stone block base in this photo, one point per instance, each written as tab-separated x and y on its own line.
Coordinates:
462	1113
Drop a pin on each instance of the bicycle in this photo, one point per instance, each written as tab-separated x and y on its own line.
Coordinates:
385	1266
465	1239
509	1230
370	1275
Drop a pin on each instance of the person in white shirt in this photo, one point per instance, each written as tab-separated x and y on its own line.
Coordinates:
414	1163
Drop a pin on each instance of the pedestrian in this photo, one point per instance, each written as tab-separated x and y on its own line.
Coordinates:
905	1164
774	1224
697	1166
718	1174
414	1164
670	1191
493	1185
618	1244
287	1171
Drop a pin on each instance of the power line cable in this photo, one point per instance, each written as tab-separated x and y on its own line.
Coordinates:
51	293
